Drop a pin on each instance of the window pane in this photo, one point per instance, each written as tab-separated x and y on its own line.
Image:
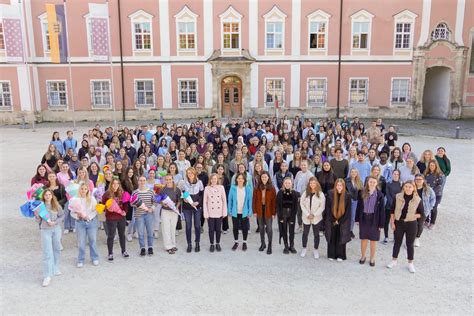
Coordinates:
279	27
321	39
364	27
235	27
192	85
148	85
406	27
190	40
190	27
182	41
235	40
355	41
313	41
313	27
226	27
278	41
363	41
399	27
192	97
270	27
270	41
146	27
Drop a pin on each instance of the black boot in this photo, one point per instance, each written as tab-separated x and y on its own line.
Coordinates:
197	248
286	250
269	249
190	248
292	249
262	246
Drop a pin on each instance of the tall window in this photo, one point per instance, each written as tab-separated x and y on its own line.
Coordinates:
358	91
402	35
144	93
274	92
57	95
471	67
274	35
441	32
187	34
400	90
100	93
45	29
142	35
231	35
2	37
5	95
317	92
317	35
360	35
187	93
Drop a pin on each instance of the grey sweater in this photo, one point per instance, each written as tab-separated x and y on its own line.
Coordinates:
57	217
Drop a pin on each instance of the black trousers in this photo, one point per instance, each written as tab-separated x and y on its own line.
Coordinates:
407	229
419	229
265	225
113	226
215	225
240	223
434	211
387	222
225	223
335	249
287	226
316	229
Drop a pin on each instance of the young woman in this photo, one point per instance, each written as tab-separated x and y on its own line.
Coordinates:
58	189
382	182
407	153
239	207
51	157
393	188
354	188
287	208
169	218
371	217
95	175
406	211
256	173
215	209
173	171
281	175
83	177
264	209
144	217
426	156
407	172
58	143
434	178
396	158
65	176
312	205
192	185
428	197
50	236
40	177
295	163
182	163
86	225
444	164
115	221
337	221
326	178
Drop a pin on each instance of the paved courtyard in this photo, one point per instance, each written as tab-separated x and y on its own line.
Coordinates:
235	282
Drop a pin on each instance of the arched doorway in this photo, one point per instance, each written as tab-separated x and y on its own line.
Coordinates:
437	92
231	96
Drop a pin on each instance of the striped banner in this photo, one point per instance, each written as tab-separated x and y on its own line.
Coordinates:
57	33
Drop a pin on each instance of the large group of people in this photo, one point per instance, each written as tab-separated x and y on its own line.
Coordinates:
308	176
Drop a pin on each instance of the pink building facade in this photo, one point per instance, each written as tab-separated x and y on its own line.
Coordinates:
230	58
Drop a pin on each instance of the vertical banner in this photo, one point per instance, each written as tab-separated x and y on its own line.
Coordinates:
99	22
10	17
57	32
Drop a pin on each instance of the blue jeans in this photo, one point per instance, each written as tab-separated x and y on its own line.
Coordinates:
69	221
87	231
51	243
146	221
132	226
353	213
188	217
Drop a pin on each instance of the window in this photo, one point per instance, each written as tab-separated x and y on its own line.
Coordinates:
231	35
317	92
144	93
187	35
100	93
89	34
187	93
274	92
2	37
274	35
358	91
142	35
400	90
5	95
404	25
230	28
57	95
317	35
471	67
402	35
441	32
360	35
46	43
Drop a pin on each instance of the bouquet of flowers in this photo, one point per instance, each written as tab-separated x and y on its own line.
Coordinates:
166	201
188	199
35	192
136	202
75	206
113	207
98	192
157	188
27	209
72	190
100	208
125	197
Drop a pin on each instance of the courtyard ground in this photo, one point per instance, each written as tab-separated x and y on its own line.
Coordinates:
235	282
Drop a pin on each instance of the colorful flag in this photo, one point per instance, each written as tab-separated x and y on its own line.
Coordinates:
57	33
13	40
99	21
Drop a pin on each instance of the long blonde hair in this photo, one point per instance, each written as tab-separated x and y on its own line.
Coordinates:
356	182
54	201
88	195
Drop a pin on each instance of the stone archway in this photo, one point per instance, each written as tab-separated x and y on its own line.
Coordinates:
437	92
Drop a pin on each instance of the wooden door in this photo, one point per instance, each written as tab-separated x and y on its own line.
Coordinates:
231	92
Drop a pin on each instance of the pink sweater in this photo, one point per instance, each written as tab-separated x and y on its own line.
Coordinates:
215	202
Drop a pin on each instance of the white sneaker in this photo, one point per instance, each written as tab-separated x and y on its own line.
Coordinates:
321	233
316	254
303	252
135	235
115	238
66	231
57	273
392	264
129	237
95	262
331	259
74	230
225	232
339	260
411	267
46	281
417	242
80	264
431	227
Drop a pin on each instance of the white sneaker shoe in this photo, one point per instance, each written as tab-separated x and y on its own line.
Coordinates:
95	262
392	264
331	259
74	230
46	281
339	260
303	253
66	231
225	232
417	242
321	233
57	273
129	237
316	254
411	267
135	235
80	265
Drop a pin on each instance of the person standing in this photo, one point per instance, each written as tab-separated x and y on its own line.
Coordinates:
214	209
300	184
312	204
393	188
407	209
371	217
434	178
354	187
444	164
338	221
169	218
144	217
428	197
362	166
239	207
287	208
264	208
339	165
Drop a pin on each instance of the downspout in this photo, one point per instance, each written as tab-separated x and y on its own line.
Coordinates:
121	60
338	59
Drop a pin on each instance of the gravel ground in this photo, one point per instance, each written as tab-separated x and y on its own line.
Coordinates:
235	282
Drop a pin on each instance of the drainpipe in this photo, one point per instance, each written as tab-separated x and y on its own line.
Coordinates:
339	59
121	60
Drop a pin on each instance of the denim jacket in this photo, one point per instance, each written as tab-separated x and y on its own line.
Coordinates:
429	200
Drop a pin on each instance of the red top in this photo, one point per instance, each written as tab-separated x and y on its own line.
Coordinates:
111	216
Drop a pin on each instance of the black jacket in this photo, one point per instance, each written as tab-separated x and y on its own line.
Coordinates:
344	221
279	204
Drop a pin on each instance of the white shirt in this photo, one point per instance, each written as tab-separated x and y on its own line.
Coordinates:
240	199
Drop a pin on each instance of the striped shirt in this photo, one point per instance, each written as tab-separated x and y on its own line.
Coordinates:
147	197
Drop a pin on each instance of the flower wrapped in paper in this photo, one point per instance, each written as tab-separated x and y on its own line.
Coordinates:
75	206
98	192
188	199
136	202
100	208
113	207
27	209
165	200
72	189
157	188
125	197
35	192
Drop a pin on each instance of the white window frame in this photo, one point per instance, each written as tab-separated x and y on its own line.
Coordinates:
100	107
188	105
316	105
281	103
2	36
231	16
356	104
362	16
408	95
44	32
275	15
448	32
88	33
135	95
186	16
318	16
405	17
61	106
6	107
141	16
